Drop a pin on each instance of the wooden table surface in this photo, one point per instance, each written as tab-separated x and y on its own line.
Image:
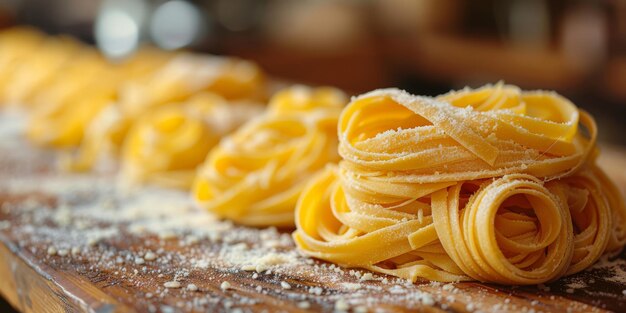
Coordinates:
78	242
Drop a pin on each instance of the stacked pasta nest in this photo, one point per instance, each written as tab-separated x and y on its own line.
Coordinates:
494	184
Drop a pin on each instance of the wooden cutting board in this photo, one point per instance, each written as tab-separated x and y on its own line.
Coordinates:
77	242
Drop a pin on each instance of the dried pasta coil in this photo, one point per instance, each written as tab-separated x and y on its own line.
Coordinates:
255	175
511	231
165	146
492	184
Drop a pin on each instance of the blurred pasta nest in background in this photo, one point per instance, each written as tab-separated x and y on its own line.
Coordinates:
255	176
171	84
492	184
62	111
166	145
174	103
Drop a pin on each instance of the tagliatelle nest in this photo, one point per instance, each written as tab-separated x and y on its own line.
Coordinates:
494	184
256	175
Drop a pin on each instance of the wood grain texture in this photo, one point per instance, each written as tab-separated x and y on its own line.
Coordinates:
106	276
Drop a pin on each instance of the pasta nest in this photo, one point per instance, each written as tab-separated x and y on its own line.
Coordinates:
62	111
493	184
255	175
153	79
166	146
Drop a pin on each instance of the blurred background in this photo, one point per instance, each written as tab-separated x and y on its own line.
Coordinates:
577	48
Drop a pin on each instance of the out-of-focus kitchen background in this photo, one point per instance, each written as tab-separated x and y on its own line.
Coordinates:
577	48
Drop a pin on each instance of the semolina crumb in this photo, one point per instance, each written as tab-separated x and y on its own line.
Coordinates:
351	286
259	268
360	309
316	290
225	285
447	287
367	276
285	285
192	287
342	305
52	251
167	235
172	284
150	256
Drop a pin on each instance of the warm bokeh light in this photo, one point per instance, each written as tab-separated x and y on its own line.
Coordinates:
176	24
117	29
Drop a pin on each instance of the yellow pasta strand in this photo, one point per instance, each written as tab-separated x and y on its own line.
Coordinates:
255	176
165	146
493	184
